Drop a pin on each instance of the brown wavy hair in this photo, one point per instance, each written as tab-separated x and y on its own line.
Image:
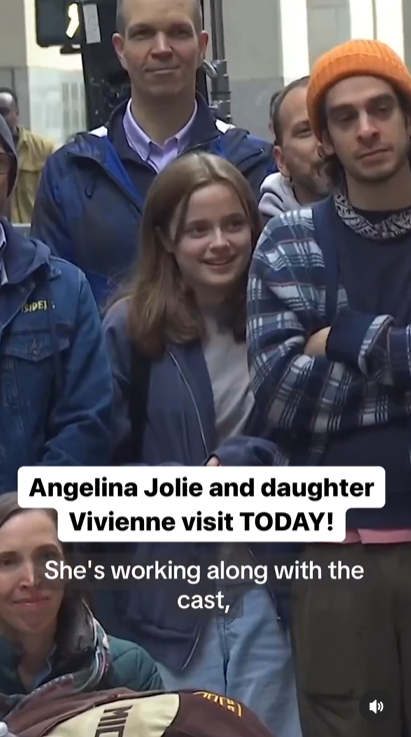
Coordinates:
162	308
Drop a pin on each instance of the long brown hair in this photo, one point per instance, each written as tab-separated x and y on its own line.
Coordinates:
162	308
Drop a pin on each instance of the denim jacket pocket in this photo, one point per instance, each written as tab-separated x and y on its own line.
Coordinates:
28	365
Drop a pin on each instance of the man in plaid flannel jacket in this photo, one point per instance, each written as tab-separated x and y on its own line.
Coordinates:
329	332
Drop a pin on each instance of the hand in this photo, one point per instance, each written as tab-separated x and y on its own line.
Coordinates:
214	461
316	345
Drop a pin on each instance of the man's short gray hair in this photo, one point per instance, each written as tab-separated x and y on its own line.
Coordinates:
121	23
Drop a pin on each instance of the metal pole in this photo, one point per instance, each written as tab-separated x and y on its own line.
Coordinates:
220	84
217	28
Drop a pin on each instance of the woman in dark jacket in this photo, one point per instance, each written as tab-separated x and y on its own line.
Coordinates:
185	314
48	636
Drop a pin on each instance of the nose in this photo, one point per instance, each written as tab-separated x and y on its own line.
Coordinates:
219	239
161	44
366	127
29	576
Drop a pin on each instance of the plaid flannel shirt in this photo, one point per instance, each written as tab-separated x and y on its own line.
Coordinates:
367	359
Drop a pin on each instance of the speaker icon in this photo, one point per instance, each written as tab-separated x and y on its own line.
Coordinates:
376	706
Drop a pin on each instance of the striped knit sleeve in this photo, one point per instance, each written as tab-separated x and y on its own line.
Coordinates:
293	391
381	350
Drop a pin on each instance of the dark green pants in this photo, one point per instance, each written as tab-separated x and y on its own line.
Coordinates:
350	637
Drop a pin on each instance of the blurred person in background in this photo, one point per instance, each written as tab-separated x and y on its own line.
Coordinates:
92	194
56	388
49	638
182	390
301	179
33	151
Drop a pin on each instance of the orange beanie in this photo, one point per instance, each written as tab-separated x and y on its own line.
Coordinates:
350	59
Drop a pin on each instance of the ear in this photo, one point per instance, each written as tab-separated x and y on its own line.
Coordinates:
325	145
202	47
118	43
279	160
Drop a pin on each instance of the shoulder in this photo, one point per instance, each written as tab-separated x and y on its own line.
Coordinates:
39	146
288	231
116	316
70	287
287	251
131	666
68	272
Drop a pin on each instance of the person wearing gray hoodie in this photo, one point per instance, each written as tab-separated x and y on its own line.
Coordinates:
300	179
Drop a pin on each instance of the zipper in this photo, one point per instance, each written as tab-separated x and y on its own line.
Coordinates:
188	387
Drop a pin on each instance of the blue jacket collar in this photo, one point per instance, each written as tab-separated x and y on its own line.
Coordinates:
22	256
204	132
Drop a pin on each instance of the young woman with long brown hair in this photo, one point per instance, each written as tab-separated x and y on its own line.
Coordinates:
184	315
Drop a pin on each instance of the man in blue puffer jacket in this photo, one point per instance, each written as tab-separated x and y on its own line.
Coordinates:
93	190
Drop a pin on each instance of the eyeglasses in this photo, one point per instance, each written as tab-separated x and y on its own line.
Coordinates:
6	161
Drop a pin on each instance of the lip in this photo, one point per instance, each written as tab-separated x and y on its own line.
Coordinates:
220	263
168	70
32	602
371	154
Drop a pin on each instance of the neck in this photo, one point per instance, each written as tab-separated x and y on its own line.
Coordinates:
305	196
160	120
35	653
394	194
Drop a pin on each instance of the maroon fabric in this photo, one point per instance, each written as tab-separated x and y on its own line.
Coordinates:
200	714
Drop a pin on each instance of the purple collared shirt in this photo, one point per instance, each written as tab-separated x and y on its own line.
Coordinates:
157	156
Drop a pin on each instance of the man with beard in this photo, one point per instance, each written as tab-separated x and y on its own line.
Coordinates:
300	178
329	332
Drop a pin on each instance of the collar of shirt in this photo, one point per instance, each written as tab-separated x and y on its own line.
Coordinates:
148	150
3	275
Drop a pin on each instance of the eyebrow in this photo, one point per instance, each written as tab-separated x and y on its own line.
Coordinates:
386	97
148	27
40	549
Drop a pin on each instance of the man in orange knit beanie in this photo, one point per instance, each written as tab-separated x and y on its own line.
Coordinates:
329	332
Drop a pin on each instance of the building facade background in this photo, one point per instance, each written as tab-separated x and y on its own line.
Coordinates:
268	44
271	42
49	85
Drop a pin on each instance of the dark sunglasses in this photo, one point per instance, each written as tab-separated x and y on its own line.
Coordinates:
6	162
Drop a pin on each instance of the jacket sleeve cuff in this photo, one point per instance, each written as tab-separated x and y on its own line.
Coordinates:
347	335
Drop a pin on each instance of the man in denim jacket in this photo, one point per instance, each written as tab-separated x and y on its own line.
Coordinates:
55	380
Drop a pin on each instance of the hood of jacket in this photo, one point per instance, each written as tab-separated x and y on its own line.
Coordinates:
23	256
7	142
277	196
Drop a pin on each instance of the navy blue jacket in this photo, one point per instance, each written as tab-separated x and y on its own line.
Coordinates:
56	387
180	430
92	194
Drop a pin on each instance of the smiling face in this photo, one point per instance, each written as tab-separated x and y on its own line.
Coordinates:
161	46
367	129
297	152
215	245
27	541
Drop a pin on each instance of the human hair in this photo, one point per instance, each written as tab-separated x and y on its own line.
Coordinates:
121	23
162	308
273	100
74	592
9	91
333	167
277	105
